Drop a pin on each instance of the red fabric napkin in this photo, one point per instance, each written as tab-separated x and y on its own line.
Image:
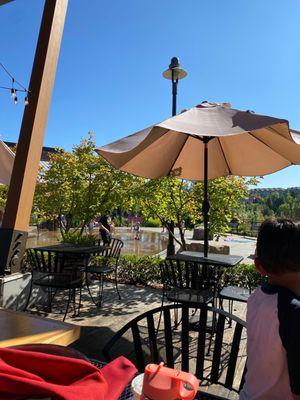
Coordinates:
25	373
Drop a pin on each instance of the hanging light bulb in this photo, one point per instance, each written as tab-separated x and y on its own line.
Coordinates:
26	101
13	93
16	100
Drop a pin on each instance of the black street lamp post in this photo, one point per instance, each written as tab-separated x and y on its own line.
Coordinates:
173	73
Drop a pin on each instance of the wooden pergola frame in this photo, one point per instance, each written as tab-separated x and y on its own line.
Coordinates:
15	225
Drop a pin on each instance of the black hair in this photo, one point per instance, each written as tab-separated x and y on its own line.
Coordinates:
278	246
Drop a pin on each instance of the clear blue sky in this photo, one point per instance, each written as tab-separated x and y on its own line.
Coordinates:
113	53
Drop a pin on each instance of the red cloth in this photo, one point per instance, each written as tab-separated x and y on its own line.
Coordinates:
26	373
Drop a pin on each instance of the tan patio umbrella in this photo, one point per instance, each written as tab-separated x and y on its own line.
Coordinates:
240	143
7	158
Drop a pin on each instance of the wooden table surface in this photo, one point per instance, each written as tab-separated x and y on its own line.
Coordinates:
22	328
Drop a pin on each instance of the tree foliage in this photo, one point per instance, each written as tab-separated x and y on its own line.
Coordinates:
79	184
278	204
3	196
171	199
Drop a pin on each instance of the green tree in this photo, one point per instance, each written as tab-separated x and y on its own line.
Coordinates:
79	184
225	197
3	196
170	199
290	208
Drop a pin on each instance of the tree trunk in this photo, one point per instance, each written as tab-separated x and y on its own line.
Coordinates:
182	238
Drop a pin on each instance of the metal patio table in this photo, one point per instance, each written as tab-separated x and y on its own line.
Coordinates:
65	250
215	260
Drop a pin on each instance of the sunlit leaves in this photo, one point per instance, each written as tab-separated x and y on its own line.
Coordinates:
81	185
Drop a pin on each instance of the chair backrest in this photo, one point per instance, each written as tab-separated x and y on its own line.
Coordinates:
218	359
114	248
188	275
44	261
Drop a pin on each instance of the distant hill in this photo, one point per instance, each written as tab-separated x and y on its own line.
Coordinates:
264	192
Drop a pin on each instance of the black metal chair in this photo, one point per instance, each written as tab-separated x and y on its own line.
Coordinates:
189	282
97	270
185	348
233	293
47	269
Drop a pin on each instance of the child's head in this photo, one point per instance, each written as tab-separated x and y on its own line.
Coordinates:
278	247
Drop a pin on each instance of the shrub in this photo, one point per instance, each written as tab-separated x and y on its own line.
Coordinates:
135	270
243	275
142	270
152	223
145	270
75	238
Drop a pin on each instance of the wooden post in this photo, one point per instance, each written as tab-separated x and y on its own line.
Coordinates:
14	231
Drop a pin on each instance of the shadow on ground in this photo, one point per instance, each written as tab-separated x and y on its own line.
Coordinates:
98	325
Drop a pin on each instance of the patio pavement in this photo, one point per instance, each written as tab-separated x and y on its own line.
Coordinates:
99	325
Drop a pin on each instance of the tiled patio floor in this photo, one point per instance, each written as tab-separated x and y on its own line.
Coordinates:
98	325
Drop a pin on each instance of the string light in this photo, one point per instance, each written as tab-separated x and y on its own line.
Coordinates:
13	90
13	93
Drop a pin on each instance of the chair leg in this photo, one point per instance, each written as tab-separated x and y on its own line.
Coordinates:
79	304
213	326
90	293
177	321
68	304
213	323
74	302
160	314
50	299
230	310
100	292
221	304
116	282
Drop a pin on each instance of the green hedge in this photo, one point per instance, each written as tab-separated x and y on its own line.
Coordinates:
243	275
136	270
145	270
80	240
152	222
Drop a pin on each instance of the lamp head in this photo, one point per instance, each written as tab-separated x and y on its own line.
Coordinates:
174	71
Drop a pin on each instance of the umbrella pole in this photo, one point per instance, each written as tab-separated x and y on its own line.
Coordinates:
205	204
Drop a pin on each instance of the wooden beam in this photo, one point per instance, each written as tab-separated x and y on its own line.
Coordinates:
13	234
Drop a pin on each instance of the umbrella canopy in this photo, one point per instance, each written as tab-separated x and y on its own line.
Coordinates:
205	142
7	158
241	143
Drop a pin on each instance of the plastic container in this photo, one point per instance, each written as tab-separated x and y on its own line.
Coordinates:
137	386
162	383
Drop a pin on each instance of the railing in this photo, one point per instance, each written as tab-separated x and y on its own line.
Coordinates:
249	228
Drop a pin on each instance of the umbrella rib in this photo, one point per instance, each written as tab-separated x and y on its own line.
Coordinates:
220	144
261	141
182	146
